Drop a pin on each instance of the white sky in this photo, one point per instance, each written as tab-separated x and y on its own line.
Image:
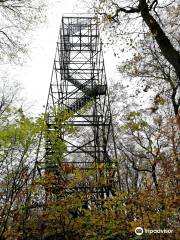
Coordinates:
35	74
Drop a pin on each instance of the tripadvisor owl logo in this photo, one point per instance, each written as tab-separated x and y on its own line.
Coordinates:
139	231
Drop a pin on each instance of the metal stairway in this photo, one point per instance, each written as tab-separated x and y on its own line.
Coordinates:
86	95
89	91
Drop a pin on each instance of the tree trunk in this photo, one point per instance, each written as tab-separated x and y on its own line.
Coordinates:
167	49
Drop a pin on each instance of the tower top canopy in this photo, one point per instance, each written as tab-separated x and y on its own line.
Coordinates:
78	15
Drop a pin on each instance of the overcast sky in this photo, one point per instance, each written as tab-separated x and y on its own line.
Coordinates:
35	74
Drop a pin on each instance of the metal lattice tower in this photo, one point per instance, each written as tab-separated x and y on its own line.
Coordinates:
79	88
